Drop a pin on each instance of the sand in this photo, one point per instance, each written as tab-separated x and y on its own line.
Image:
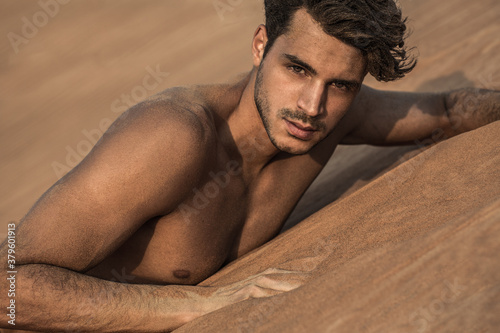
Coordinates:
403	248
403	254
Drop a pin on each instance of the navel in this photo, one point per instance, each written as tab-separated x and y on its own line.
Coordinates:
182	274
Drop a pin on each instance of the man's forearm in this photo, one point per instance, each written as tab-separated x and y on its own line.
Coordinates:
471	108
50	298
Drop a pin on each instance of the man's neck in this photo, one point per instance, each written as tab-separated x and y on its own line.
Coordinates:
247	132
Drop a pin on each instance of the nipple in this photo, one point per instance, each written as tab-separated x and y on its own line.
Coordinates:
182	274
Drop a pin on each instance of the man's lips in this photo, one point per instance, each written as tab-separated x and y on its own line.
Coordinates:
300	131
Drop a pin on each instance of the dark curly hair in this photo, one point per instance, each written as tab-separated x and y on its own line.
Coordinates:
376	27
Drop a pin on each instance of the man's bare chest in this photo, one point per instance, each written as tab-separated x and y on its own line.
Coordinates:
223	218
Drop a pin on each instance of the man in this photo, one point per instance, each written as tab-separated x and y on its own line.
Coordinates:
194	178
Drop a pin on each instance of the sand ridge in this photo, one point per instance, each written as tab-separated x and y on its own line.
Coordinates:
417	256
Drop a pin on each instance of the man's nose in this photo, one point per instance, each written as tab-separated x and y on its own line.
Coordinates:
312	98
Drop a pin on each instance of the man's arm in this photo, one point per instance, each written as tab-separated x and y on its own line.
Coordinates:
50	298
389	118
143	167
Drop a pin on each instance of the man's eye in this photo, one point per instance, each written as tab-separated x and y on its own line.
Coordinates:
340	85
297	69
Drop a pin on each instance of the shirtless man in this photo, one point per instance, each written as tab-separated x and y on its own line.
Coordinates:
194	178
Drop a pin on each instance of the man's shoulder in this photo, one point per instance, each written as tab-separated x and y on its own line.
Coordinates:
187	117
175	115
200	106
169	131
182	106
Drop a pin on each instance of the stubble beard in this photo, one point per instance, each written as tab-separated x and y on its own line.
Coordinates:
262	104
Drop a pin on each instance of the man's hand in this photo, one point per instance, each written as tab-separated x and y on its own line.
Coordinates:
390	118
271	282
471	108
268	283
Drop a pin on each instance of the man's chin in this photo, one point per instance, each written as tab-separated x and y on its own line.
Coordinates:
295	149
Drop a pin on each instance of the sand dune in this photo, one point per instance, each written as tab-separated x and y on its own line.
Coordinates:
410	245
416	254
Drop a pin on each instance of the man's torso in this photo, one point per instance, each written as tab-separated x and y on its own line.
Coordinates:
229	213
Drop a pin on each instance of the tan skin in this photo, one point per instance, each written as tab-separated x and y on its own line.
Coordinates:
130	207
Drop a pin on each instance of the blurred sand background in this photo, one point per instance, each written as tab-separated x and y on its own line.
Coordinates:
60	80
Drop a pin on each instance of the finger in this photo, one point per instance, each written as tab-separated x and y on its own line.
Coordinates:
280	283
255	291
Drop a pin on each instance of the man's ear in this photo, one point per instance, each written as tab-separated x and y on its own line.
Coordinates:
259	44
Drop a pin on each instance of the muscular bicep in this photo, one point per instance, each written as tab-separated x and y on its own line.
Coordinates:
390	117
139	170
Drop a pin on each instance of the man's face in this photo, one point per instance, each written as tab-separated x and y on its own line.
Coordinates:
305	85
